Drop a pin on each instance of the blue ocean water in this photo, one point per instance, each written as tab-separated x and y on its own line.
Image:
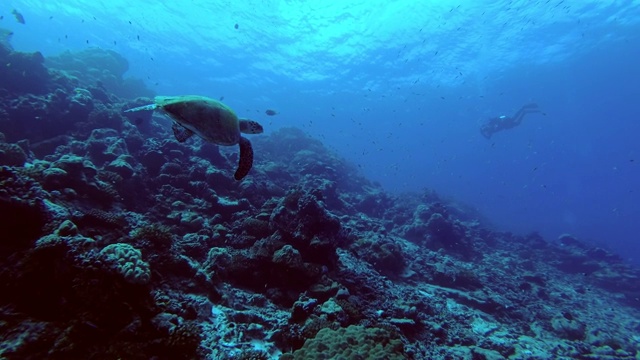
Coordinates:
401	88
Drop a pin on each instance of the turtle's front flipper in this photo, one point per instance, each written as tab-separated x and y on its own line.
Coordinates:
149	107
246	159
180	132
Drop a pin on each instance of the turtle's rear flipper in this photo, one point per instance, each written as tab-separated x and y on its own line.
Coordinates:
180	132
246	159
149	107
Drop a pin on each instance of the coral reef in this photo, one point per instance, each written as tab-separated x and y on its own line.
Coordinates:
353	342
101	70
127	261
121	242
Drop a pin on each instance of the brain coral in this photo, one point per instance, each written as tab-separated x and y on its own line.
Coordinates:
354	342
127	261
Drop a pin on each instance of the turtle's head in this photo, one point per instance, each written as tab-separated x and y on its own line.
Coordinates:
250	127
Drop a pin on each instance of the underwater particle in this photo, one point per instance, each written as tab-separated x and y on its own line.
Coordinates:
18	16
221	98
271	112
114	42
51	17
138	36
236	26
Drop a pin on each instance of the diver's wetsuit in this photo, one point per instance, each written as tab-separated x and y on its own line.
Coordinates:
496	124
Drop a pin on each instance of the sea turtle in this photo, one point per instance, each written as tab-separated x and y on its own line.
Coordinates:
211	120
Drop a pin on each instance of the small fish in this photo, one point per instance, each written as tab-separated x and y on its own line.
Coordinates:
138	37
270	112
221	97
236	26
18	16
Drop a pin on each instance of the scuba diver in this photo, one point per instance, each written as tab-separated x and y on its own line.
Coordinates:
503	122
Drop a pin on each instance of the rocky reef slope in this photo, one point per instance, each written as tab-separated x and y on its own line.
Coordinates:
120	242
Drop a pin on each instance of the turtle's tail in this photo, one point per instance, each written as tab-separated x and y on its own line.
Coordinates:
149	107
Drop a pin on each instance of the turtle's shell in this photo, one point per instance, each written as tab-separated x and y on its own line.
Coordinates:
208	118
